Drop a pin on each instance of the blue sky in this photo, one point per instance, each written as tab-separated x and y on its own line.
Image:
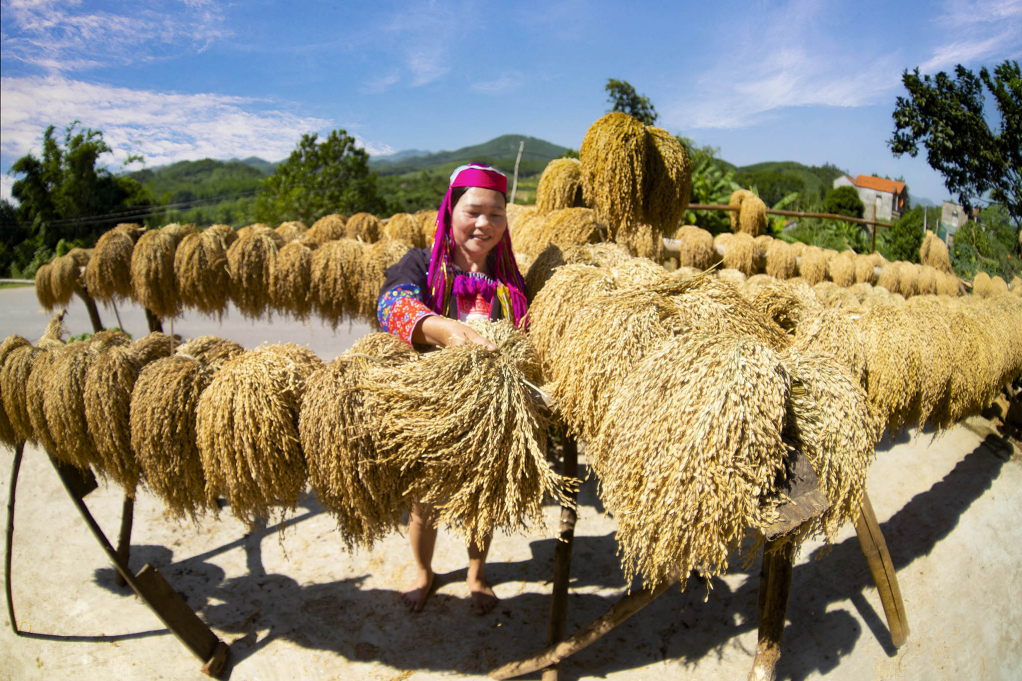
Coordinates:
805	80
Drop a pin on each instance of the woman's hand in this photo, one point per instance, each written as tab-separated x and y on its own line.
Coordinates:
437	330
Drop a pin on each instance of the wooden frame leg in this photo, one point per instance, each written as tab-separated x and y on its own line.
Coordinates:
124	536
562	558
774	589
19	450
875	549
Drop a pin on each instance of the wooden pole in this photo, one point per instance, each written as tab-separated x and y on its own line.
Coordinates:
154	322
117	313
774	589
562	557
19	450
514	187
790	213
879	559
90	306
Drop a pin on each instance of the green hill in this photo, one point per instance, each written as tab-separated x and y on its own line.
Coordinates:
499	152
186	181
776	179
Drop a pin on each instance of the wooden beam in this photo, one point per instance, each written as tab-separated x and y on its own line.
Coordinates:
871	539
774	589
805	499
562	558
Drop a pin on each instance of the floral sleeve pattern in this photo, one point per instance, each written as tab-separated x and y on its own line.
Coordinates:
400	309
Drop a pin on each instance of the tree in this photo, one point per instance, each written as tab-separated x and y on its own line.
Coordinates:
713	181
946	115
901	241
317	179
624	98
844	201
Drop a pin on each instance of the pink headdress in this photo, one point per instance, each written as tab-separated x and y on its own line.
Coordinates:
442	278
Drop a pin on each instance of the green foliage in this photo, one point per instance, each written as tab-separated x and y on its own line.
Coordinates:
570	153
772	186
317	179
624	98
946	115
844	201
88	334
712	183
414	191
816	180
65	194
834	234
988	244
901	241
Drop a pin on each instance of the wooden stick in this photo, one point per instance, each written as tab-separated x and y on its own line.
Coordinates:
871	539
514	187
789	213
154	322
124	536
90	305
562	558
774	589
601	626
117	313
19	450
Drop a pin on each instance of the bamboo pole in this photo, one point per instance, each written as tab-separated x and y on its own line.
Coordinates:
562	558
871	539
19	450
774	589
790	213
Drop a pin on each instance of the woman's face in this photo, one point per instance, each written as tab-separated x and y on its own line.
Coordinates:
478	222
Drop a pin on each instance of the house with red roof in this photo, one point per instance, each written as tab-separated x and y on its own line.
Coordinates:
884	199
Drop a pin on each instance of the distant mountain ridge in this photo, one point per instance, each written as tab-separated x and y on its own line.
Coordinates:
496	152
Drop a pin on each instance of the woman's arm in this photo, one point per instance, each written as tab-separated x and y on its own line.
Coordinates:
437	330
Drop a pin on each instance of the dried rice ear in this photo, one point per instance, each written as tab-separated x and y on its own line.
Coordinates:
291	281
14	375
696	247
203	276
781	260
8	436
153	281
211	351
787	302
109	383
328	228
108	274
291	231
376	260
336	273
153	346
251	261
64	406
364	227
613	157
560	185
43	290
812	265
405	228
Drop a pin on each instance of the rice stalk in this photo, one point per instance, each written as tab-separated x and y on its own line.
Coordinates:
291	281
251	261
363	226
697	249
203	277
153	281
108	273
8	435
328	228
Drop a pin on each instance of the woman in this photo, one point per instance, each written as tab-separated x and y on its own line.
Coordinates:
470	273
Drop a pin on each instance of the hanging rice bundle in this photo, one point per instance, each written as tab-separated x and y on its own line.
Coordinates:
933	252
8	435
43	290
1016	285
226	233
291	281
948	285
247	427
427	221
363	226
177	232
737	198
739	252
696	247
152	346
733	277
552	257
211	351
927	283
893	363
971	386
163	433
998	287
938	355
812	265
831	332
14	375
908	279
203	278
152	274
569	289
108	273
666	181
35	392
641	240
102	341
568	227
687	459
109	382
781	260
752	218
981	285
291	231
605	340
328	228
376	260
787	302
251	261
889	277
715	307
841	269
763	242
560	185
865	270
832	422
64	405
465	424
613	157
336	269
66	274
338	436
799	248
404	227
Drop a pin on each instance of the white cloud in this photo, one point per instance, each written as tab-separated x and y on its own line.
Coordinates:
68	36
380	84
6	183
162	126
423	32
508	82
976	30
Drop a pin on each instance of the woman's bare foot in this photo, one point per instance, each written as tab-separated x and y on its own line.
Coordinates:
416	597
483	598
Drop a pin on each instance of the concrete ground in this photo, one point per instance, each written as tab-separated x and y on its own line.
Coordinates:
295	605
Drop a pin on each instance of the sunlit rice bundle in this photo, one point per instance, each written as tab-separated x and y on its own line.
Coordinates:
752	218
339	438
689	453
66	274
553	256
8	435
376	260
569	226
733	277
35	393
14	376
666	181
841	269
177	231
427	222
43	290
938	354
832	422
465	424
908	279
291	281
163	435
526	226
328	228
336	268
832	332
735	201
363	226
63	405
251	262
933	252
152	347
109	382
739	252
812	265
696	247
560	185
405	228
981	285
781	260
247	427
865	270
203	278
890	277
1016	285
108	273
893	363
799	248
763	242
948	285
553	309
613	159
605	340
153	281
211	351
638	272
861	290
226	233
927	283
291	231
998	287
787	302
716	307
642	240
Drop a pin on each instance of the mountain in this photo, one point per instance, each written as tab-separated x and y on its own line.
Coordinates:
402	155
266	166
776	179
499	152
190	180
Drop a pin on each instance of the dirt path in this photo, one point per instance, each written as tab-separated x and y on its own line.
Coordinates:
296	606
